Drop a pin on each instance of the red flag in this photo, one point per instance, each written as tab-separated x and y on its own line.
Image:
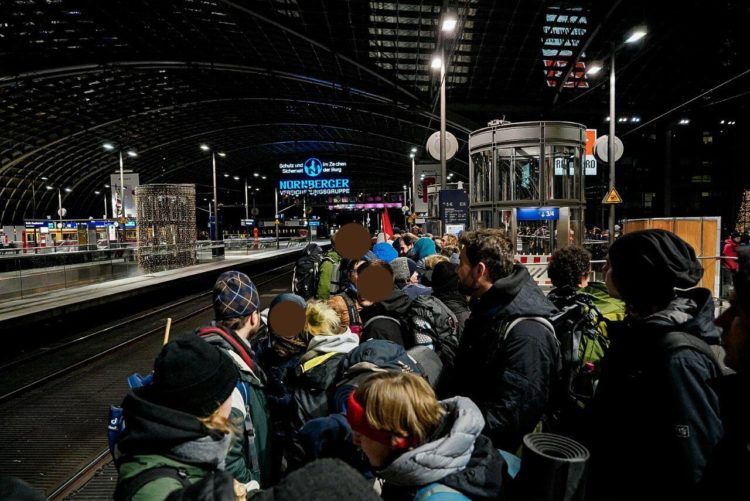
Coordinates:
387	228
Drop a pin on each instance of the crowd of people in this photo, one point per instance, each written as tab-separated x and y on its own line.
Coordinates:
427	391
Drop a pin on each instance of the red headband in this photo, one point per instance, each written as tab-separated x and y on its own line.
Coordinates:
357	418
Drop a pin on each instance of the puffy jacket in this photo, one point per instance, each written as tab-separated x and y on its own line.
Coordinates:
157	436
396	307
512	380
317	373
653	408
456	455
250	457
325	275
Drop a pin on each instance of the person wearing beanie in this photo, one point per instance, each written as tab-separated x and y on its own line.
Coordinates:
419	446
406	277
445	288
384	252
653	405
177	429
279	355
423	247
330	341
726	474
237	322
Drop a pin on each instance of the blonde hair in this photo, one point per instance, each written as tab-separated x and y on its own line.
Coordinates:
400	403
321	319
450	239
431	261
218	422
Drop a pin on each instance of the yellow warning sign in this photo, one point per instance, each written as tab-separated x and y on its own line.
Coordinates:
612	197
277	222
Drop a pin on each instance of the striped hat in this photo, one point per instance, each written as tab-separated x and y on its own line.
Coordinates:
235	295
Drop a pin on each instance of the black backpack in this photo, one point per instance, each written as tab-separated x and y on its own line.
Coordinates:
307	271
428	322
431	323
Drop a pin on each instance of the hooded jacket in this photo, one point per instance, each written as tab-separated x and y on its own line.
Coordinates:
158	436
456	455
396	307
317	373
653	407
512	380
730	250
251	416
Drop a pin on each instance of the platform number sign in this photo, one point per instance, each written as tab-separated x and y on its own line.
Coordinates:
589	161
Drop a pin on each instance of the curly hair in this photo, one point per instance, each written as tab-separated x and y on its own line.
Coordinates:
491	247
568	266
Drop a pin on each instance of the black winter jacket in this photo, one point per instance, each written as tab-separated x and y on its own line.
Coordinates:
395	307
512	380
654	410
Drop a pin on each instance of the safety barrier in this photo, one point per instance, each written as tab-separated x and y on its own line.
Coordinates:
537	266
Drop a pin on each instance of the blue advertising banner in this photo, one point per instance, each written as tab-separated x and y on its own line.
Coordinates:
454	207
315	177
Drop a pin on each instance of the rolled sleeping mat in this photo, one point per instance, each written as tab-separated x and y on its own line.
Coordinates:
553	468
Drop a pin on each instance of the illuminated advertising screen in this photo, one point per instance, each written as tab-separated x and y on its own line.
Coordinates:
314	176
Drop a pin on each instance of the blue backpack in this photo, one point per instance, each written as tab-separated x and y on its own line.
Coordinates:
439	492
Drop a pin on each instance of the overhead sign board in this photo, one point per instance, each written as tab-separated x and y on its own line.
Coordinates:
537	214
454	207
314	176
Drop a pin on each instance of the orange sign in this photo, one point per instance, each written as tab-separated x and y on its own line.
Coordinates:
590	140
612	197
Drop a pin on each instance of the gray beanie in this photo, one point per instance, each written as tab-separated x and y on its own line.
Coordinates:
403	269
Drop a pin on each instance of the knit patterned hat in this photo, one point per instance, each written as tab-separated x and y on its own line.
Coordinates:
235	296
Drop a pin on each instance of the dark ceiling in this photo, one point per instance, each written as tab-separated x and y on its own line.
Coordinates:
275	80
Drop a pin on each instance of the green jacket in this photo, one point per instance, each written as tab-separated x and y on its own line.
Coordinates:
158	488
240	459
326	270
612	309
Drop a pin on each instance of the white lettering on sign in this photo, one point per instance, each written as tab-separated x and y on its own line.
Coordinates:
299	167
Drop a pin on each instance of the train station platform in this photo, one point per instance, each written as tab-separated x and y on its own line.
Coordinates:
49	305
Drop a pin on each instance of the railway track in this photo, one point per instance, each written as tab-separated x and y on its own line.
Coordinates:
53	424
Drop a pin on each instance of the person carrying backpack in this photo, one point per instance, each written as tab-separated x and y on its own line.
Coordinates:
385	319
178	429
329	343
653	408
581	329
508	359
421	448
237	312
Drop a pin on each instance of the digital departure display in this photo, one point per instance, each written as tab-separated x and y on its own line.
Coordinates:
314	176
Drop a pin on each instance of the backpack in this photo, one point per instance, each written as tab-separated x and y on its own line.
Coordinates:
339	275
431	323
579	328
437	491
307	271
378	355
125	490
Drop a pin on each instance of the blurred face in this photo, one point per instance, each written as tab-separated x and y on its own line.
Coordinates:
736	327
609	280
377	453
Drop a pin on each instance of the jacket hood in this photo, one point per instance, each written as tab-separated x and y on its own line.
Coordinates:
691	311
153	429
339	343
443	456
423	247
395	306
414	290
515	295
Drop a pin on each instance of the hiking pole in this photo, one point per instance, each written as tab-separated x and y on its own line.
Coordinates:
166	331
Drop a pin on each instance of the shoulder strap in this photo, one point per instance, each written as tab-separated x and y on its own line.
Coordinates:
674	341
353	313
237	347
379	317
127	489
545	322
438	492
245	389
